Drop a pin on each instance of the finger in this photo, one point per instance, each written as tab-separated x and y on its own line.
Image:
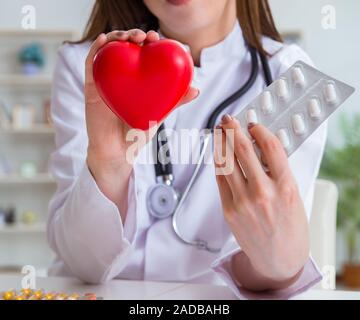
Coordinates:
117	35
227	165
97	44
225	194
152	36
101	40
272	150
244	151
134	35
137	36
191	95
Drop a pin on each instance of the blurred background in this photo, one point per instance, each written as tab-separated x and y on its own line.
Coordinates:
27	60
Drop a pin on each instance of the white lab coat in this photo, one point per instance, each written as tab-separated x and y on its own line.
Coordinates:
85	228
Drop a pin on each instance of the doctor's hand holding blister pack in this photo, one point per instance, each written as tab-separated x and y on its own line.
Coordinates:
240	219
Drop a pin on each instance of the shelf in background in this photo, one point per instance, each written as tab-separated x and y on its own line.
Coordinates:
40	33
41	178
35	129
19	80
23	229
27	244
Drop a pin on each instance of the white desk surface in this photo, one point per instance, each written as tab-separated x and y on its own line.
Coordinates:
135	290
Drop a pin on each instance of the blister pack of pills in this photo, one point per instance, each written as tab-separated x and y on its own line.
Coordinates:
296	104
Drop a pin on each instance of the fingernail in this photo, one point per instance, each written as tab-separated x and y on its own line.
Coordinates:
218	127
251	125
120	33
226	119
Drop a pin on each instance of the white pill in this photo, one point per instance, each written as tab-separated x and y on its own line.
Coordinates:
298	124
283	136
330	93
266	102
314	108
251	116
281	89
298	76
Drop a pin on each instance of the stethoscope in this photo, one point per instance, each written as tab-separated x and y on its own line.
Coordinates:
163	200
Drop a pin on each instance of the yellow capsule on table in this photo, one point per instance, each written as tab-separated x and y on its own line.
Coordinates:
49	296
20	297
38	295
8	295
74	296
27	292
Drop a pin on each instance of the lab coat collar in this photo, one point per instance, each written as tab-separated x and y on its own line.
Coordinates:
233	45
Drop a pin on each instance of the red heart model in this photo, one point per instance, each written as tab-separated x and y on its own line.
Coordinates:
142	84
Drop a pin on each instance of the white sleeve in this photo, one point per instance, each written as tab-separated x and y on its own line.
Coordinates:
84	227
305	165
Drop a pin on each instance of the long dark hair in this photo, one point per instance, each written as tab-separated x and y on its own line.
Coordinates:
255	18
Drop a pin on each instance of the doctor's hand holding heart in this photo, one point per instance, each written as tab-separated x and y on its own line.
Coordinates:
264	210
107	133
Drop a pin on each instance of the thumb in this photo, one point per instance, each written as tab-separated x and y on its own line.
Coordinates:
191	95
96	45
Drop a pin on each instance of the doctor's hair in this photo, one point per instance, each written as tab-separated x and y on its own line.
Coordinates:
255	17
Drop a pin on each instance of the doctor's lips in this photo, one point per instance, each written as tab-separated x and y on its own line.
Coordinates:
178	2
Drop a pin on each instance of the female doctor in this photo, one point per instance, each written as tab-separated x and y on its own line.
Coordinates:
99	224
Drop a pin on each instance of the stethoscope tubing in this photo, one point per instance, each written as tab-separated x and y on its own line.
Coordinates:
199	243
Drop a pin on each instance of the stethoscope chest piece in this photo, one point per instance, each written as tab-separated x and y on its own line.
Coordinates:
162	200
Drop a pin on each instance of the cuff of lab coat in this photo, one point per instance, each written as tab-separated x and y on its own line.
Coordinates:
130	226
308	278
97	219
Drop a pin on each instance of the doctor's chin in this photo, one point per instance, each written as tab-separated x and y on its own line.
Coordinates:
179	150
